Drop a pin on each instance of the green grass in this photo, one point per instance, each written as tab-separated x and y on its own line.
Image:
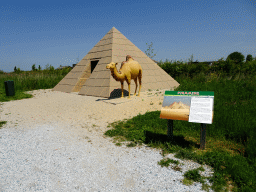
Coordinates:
230	140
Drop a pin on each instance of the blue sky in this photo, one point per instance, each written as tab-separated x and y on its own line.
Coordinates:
63	32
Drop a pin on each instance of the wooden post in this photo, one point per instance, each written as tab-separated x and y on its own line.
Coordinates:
203	136
170	129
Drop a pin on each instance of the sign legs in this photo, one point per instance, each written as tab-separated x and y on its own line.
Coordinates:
170	129
202	138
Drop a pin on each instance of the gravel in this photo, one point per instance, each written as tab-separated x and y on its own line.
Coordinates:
58	147
51	157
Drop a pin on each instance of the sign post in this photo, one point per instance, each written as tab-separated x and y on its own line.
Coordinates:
203	136
170	129
191	106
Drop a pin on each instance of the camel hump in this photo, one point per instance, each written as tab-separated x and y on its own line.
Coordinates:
129	63
129	57
131	66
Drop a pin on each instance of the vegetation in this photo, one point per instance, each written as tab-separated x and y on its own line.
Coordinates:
230	141
150	51
30	80
236	56
249	58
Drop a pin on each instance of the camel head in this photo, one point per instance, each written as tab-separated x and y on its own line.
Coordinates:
111	65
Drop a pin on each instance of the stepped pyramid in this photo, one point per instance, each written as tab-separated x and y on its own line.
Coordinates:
90	76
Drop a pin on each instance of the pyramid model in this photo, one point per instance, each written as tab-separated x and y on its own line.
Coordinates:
90	76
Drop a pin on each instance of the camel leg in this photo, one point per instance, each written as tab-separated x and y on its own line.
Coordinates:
135	80
128	80
122	86
140	85
129	85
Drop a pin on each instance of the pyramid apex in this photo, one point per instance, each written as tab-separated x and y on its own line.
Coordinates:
113	29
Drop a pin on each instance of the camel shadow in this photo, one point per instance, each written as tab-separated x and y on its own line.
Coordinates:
115	94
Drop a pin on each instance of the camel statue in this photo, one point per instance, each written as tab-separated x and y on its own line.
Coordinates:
130	69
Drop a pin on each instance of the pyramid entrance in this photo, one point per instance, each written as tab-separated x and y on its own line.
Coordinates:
86	75
93	64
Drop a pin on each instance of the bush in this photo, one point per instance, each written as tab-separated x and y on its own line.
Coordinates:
249	67
18	71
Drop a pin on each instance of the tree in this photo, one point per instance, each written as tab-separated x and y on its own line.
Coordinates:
47	66
191	59
50	68
149	49
15	69
34	68
18	71
39	68
236	57
221	59
249	58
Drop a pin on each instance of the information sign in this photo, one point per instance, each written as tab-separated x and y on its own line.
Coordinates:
177	106
191	106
